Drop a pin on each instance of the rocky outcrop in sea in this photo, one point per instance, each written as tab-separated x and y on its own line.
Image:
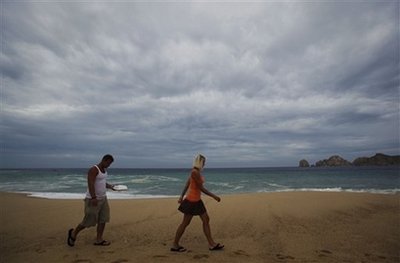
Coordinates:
304	163
334	160
378	159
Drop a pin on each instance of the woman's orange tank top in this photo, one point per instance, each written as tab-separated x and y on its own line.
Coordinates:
194	192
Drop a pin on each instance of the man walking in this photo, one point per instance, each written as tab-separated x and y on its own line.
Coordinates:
97	211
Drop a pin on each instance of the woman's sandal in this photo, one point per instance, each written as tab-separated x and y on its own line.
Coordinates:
217	247
178	249
102	243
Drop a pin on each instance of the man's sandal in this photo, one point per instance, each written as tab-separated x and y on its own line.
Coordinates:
70	240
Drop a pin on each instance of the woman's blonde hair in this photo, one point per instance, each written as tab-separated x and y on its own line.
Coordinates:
199	161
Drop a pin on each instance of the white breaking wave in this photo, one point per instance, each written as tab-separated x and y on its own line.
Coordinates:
335	189
152	178
114	196
72	196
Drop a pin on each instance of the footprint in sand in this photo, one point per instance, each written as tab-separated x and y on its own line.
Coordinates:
160	256
40	251
107	252
241	253
82	261
283	257
323	253
120	261
200	256
376	256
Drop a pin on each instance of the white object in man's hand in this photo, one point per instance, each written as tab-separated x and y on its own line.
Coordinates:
120	187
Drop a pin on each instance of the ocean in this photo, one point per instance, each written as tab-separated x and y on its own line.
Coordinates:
162	183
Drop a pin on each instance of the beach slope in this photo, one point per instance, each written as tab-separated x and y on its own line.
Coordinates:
267	227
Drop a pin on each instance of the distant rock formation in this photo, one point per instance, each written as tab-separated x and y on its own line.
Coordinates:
335	160
304	163
378	159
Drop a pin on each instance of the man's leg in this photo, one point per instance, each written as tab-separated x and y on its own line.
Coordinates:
103	217
73	233
100	231
76	231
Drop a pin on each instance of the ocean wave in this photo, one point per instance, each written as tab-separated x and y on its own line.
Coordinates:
335	189
222	184
49	195
136	195
155	183
73	196
277	185
145	179
230	186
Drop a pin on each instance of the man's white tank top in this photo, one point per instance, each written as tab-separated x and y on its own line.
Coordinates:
99	185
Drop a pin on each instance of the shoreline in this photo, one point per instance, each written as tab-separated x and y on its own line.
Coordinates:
123	195
260	227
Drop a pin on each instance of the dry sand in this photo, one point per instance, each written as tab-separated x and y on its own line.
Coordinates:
270	227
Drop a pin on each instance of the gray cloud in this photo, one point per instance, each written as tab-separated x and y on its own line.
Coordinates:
247	84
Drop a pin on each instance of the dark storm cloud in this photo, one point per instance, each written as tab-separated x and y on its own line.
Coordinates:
262	84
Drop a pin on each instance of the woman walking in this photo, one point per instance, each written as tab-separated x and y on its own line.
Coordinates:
192	205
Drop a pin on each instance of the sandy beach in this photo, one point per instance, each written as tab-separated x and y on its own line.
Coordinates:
270	227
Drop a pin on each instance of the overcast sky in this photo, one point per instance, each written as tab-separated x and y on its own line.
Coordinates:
246	84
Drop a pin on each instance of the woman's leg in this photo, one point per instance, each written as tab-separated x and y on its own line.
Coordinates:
207	230
181	229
